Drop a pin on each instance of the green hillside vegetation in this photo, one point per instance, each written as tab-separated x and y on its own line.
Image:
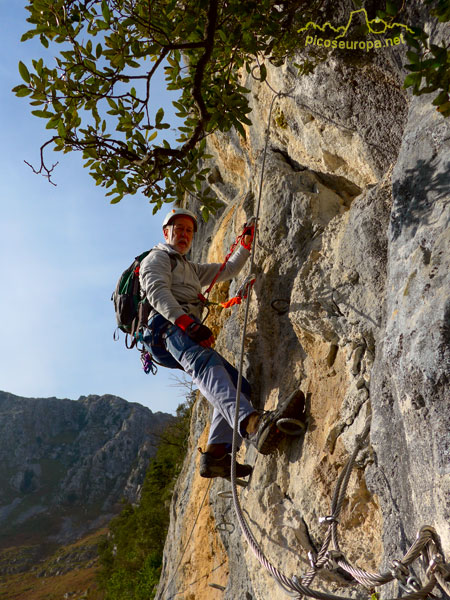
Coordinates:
131	555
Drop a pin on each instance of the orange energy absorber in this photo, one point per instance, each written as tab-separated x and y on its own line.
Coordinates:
231	302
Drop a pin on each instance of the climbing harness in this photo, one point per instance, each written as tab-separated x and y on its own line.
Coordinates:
132	311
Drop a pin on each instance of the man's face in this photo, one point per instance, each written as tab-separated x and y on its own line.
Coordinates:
179	234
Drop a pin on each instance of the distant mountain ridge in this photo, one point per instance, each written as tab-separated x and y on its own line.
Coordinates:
66	464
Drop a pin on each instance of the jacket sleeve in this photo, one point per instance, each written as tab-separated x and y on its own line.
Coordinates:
207	271
156	279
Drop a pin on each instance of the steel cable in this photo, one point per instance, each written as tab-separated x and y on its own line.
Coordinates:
292	585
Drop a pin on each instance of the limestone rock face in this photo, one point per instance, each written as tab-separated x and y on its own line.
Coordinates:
65	465
351	304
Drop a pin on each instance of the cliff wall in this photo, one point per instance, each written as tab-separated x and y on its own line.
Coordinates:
354	243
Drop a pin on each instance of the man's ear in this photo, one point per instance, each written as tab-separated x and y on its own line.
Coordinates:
166	233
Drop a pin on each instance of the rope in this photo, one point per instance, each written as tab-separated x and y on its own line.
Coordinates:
188	540
197	580
283	580
292	586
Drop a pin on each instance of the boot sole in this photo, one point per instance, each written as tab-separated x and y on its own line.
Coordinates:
212	472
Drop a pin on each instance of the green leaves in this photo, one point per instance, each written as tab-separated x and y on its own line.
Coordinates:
106	13
24	73
97	94
205	213
21	91
391	8
158	117
430	69
43	114
263	72
441	99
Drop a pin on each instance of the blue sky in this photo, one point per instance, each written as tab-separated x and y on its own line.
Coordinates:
61	251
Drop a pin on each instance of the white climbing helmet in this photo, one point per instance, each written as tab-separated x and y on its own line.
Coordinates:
179	212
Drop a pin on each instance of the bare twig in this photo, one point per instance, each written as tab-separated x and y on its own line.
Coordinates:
48	172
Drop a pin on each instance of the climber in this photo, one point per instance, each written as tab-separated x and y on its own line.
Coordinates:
177	338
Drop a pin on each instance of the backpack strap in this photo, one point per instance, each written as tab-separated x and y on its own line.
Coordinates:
173	259
145	307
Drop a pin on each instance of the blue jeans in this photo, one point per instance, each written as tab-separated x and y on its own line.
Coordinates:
211	373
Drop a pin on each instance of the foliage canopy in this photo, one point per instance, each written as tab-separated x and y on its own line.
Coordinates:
97	96
429	63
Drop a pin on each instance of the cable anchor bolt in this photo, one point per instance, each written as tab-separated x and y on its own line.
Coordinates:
225	526
412	584
280	305
437	563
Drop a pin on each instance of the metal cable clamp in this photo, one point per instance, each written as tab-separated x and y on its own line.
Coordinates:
312	559
333	557
328	519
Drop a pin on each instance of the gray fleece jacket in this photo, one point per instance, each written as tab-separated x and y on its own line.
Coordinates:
173	293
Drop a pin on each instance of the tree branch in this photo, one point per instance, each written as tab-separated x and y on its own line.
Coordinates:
198	78
48	172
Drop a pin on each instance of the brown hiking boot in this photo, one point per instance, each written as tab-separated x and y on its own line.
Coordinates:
221	467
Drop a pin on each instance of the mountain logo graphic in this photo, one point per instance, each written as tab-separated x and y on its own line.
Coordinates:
336	36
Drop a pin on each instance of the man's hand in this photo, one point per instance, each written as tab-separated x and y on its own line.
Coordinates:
197	332
248	236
